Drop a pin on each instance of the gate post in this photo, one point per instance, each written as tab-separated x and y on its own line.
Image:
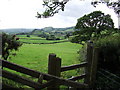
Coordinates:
54	68
87	80
94	66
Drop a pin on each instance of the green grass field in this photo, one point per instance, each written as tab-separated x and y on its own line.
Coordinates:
40	41
35	56
35	39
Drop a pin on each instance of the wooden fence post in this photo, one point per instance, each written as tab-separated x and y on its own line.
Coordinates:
87	80
54	68
94	66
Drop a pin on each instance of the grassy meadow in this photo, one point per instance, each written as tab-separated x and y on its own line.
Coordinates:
35	56
36	39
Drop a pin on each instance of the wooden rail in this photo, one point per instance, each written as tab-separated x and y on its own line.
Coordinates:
36	74
66	68
77	77
19	79
24	70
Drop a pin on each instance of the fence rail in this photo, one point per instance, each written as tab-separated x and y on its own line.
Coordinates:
66	68
107	80
49	78
77	77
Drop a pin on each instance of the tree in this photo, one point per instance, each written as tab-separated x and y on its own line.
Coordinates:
111	4
92	26
51	37
9	43
27	35
53	6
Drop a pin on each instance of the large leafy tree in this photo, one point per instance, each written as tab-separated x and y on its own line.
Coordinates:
92	25
9	43
54	6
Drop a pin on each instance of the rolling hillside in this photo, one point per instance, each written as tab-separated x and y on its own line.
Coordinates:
16	30
36	31
51	29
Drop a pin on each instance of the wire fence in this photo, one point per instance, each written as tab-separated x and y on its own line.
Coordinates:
107	80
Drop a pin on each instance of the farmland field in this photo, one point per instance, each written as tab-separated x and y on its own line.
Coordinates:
35	39
35	56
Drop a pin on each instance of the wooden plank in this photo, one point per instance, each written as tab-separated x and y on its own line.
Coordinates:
24	70
22	80
37	85
89	61
77	77
66	68
19	79
45	76
54	67
94	66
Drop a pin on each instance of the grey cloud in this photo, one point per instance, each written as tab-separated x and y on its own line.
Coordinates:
77	9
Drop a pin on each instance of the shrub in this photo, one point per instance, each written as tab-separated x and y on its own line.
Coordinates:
109	52
109	57
27	35
9	43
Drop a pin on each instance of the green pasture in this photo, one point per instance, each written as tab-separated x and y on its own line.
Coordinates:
39	40
35	56
35	39
31	37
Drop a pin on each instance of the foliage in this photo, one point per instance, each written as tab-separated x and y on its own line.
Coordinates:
53	6
92	26
51	37
27	35
109	52
111	4
9	43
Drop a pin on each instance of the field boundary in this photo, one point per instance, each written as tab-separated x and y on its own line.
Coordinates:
45	43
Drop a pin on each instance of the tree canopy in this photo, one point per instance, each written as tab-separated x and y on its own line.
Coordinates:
53	6
9	43
92	25
111	4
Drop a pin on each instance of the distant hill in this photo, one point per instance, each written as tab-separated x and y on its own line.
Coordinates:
16	30
37	31
52	30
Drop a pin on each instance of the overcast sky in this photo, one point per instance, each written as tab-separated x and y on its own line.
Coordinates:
21	14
